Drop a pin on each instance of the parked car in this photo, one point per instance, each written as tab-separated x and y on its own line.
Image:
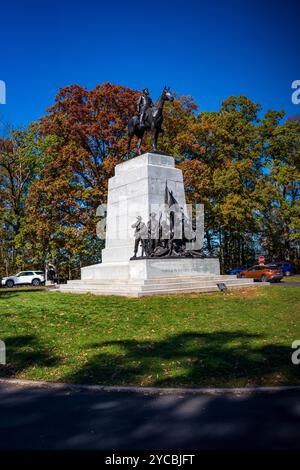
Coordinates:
263	273
285	266
238	270
35	278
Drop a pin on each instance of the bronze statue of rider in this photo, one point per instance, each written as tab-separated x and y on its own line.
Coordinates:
143	103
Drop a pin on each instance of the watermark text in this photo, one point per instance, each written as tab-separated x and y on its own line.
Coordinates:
2	92
296	354
296	93
2	353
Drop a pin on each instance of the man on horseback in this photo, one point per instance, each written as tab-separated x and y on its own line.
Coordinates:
143	103
148	121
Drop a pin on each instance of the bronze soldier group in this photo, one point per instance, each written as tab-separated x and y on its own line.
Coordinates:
164	238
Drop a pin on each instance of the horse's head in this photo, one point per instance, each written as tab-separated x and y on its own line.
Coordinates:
167	95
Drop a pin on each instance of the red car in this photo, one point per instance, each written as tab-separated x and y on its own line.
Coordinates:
263	273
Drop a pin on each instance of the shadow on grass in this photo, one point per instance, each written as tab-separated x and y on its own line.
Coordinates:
4	295
6	292
24	352
190	360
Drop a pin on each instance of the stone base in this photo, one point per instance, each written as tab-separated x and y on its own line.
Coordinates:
144	277
146	269
137	186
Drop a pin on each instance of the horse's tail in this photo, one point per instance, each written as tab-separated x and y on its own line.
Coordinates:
131	125
130	131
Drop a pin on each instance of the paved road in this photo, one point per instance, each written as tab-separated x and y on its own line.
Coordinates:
44	418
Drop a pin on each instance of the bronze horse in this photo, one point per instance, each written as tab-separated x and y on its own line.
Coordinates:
153	120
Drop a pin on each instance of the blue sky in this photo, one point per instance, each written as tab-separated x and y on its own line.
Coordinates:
208	49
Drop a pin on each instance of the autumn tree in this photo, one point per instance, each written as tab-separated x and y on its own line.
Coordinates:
279	195
19	167
83	138
221	162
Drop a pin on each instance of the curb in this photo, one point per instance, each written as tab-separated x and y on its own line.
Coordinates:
149	390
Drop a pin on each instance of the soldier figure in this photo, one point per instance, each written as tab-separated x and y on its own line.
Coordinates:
51	272
143	103
165	233
140	235
153	232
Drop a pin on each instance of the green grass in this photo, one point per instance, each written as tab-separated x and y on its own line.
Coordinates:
232	339
295	277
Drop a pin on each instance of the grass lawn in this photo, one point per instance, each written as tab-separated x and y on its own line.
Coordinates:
233	339
295	277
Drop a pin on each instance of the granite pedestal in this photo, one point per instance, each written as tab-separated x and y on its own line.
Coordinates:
138	188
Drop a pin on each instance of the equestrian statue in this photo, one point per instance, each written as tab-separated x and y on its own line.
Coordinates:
149	118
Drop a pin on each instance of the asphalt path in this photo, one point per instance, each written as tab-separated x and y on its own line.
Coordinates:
38	418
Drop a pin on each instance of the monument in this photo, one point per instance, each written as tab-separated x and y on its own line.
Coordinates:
152	245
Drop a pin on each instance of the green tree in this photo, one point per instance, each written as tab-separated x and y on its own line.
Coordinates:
19	167
279	196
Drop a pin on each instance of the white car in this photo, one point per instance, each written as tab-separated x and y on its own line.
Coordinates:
35	278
